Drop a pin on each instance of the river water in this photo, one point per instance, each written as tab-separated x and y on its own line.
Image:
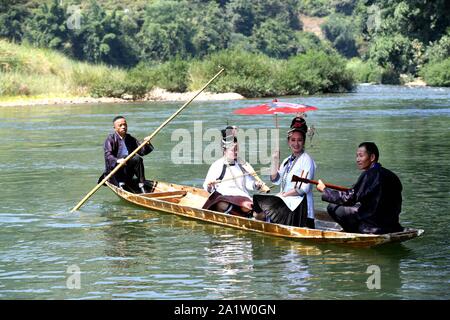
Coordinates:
51	156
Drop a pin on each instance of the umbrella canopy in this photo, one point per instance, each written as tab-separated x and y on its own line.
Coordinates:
275	107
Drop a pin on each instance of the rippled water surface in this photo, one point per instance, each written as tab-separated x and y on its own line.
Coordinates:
51	156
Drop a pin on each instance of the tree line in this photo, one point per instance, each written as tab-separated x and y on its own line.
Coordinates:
124	34
387	37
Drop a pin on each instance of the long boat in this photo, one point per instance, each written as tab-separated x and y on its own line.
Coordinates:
188	202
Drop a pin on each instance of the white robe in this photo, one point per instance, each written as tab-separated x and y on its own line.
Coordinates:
230	187
306	163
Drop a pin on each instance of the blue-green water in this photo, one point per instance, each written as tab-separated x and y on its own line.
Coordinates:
51	156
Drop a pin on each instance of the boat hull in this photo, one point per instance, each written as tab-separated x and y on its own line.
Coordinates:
188	201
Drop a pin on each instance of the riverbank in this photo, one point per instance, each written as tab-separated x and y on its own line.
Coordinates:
30	75
418	82
157	94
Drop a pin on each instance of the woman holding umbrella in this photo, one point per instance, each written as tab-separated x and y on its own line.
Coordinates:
294	205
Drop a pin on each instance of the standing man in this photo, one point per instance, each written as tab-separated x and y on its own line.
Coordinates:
374	203
118	145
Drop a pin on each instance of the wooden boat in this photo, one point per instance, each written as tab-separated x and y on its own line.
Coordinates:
188	202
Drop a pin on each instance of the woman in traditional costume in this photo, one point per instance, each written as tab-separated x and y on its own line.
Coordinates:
228	180
294	205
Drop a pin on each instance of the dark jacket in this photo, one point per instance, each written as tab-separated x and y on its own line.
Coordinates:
378	197
111	148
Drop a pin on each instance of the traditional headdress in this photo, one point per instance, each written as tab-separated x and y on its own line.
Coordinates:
229	138
298	124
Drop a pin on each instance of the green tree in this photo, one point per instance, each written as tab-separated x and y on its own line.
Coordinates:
221	3
128	46
439	50
365	72
316	71
282	10
12	18
172	75
213	32
343	6
167	31
317	8
417	19
307	41
437	73
341	32
96	34
249	74
393	52
400	30
275	39
241	43
106	36
241	16
246	16
120	29
48	27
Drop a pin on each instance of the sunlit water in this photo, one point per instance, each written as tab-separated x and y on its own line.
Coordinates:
51	156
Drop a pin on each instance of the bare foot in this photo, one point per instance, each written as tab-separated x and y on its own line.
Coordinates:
259	216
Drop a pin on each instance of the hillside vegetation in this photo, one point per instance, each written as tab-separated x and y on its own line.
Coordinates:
27	71
130	46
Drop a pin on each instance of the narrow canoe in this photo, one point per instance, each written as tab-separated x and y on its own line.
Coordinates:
188	202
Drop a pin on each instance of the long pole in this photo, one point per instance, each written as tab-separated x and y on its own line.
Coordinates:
131	155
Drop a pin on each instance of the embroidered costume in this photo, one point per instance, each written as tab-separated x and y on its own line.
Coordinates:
236	182
298	209
291	210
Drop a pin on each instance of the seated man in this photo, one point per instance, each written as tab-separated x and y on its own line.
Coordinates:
374	203
118	145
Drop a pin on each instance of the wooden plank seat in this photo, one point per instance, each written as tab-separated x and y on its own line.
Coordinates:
166	195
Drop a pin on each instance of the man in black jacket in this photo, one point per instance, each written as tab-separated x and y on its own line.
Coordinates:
374	203
118	145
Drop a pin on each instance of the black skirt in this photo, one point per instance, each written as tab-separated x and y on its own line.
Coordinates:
278	212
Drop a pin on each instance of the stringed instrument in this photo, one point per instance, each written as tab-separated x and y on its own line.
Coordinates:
328	185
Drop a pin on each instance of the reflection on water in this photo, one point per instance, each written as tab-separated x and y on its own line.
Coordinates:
50	156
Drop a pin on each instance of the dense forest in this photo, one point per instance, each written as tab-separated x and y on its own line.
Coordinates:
175	44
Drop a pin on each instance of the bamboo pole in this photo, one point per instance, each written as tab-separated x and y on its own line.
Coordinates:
131	155
264	188
233	178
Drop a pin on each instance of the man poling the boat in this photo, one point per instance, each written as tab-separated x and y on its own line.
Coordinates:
118	145
228	180
142	145
294	205
374	203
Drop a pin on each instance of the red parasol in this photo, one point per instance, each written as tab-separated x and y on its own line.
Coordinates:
275	107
